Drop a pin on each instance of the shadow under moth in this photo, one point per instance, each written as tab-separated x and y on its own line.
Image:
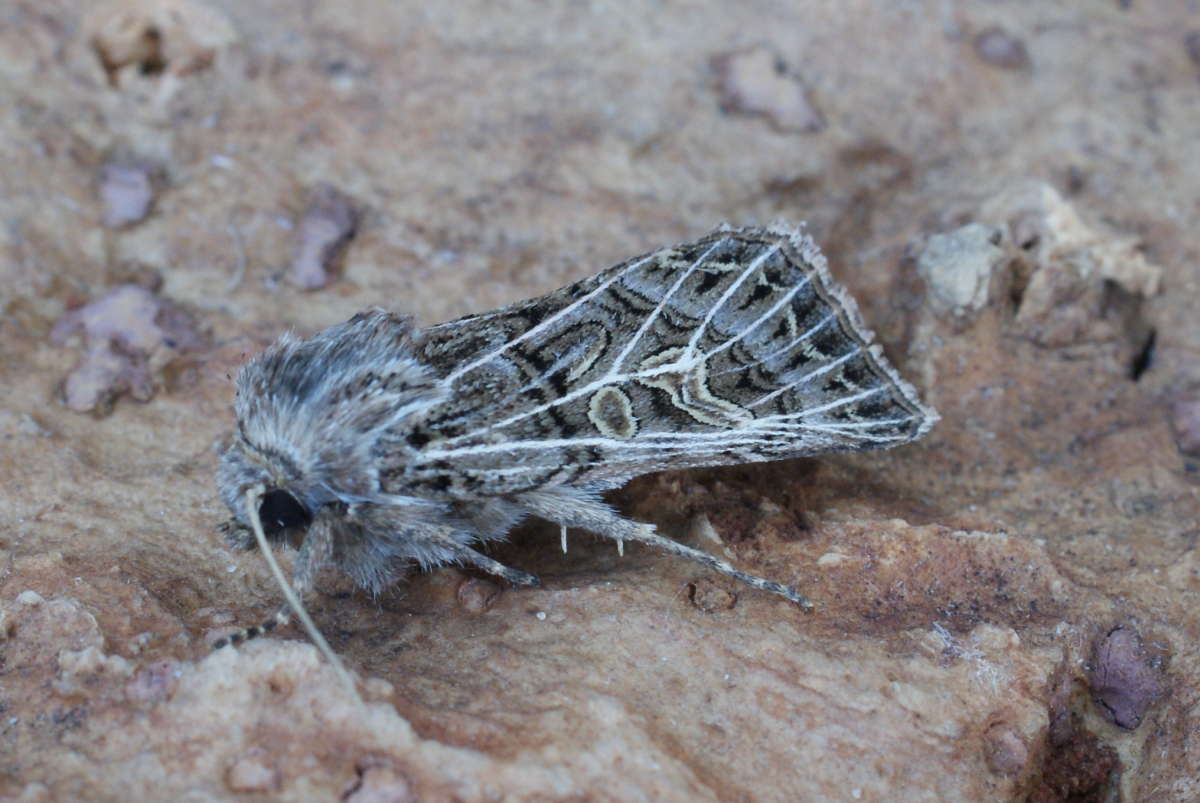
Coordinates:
381	446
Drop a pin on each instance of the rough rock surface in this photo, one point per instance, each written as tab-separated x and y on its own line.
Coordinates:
1008	610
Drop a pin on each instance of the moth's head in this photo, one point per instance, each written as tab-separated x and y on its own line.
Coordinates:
311	414
286	502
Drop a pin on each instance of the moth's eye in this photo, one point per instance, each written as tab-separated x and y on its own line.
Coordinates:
281	511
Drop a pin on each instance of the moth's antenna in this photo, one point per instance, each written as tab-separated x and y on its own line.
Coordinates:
253	497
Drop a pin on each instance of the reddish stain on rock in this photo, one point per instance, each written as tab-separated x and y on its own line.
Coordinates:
1005	751
1081	768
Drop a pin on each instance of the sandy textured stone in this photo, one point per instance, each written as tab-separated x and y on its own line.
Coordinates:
151	37
966	588
1071	268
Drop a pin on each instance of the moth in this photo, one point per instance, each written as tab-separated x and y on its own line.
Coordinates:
380	446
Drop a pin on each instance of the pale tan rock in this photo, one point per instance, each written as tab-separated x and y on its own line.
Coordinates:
958	267
248	773
173	36
79	669
1063	301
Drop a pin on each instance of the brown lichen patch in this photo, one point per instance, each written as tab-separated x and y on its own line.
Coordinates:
1081	768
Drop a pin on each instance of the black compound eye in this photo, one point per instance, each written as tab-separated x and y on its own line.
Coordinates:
281	511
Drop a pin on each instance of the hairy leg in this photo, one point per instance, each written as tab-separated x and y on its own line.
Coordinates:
571	508
445	539
237	535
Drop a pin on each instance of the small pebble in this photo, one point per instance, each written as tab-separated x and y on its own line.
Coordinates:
999	48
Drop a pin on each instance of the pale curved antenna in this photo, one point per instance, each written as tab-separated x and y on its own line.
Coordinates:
253	498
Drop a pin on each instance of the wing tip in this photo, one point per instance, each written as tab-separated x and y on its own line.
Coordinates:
778	229
809	253
927	413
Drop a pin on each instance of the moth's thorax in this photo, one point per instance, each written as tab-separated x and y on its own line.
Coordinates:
312	414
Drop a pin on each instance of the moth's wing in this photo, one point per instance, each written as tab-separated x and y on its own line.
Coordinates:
738	347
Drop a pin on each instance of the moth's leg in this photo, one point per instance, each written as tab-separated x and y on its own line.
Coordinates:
237	535
445	539
571	508
314	553
514	576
